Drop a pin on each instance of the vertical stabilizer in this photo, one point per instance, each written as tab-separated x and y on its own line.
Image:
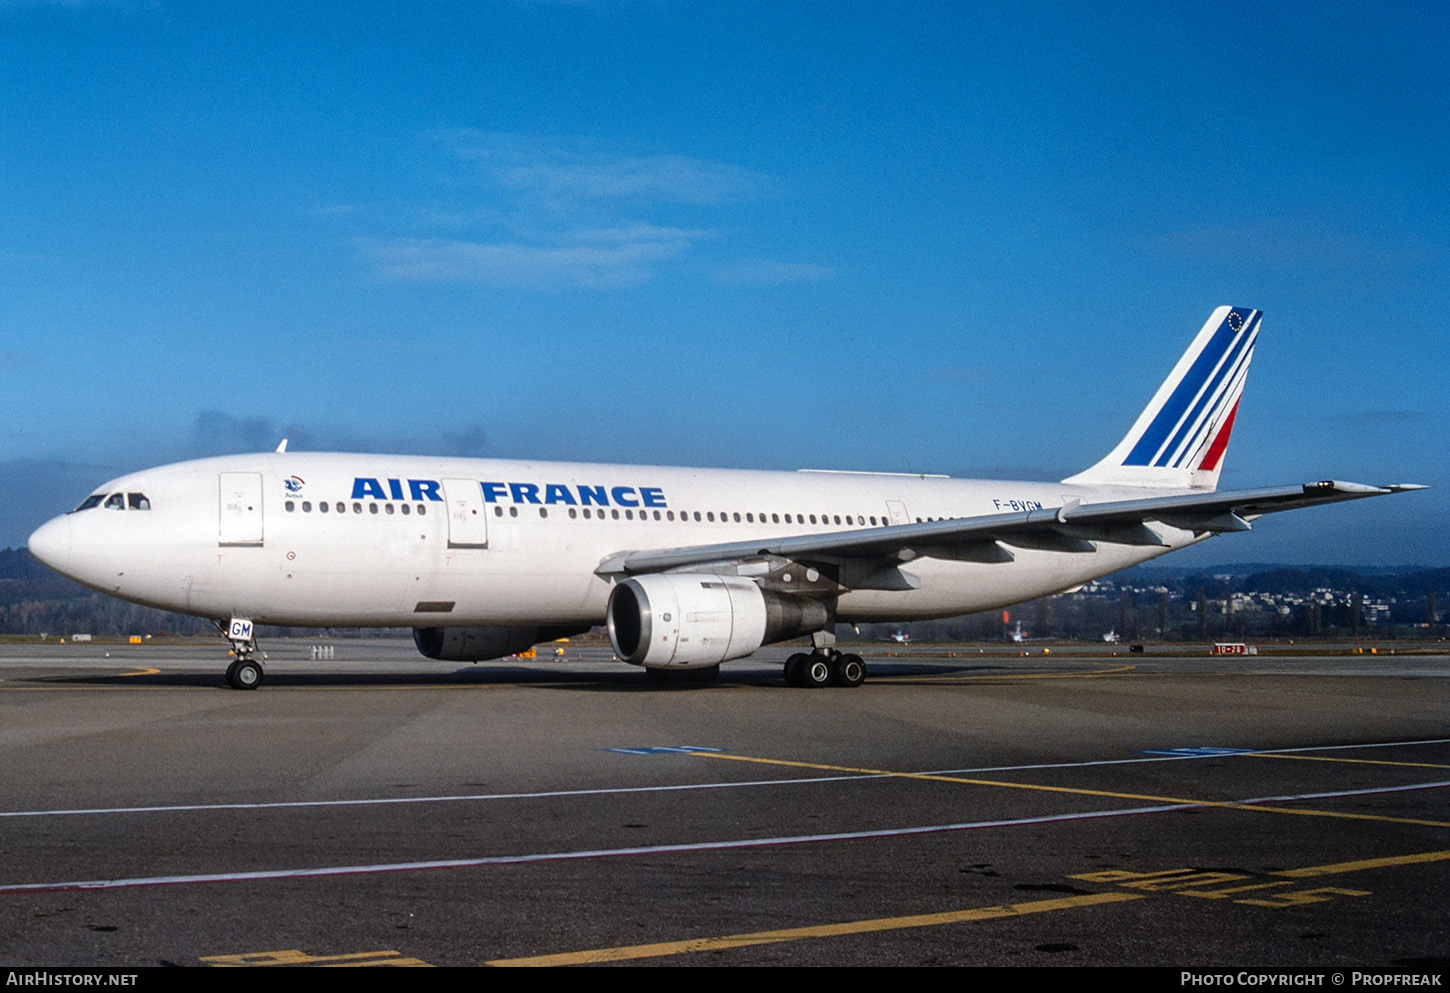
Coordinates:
1179	438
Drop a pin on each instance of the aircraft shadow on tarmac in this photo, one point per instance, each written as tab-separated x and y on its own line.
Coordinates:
622	679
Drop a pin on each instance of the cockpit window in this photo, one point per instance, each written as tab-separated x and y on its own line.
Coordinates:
116	501
138	501
90	501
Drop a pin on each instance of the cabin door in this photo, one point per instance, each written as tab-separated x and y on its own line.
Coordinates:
897	509
240	506
467	514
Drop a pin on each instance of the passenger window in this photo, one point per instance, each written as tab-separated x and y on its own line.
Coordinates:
306	506
290	506
341	507
586	513
513	511
497	511
388	507
657	515
422	509
405	508
697	515
573	514
357	508
614	514
116	501
543	511
709	516
372	508
138	501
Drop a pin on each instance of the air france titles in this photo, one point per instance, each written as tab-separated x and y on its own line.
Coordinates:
579	495
364	487
575	496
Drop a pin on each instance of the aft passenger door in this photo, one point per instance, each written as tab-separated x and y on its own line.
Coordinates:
467	515
897	510
240	509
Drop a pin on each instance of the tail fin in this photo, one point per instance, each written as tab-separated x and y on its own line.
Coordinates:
1179	438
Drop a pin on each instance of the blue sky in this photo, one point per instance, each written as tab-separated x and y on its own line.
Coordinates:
962	238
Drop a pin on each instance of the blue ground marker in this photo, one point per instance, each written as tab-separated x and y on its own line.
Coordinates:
663	749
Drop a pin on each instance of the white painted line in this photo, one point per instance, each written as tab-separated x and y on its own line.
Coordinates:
723	785
699	846
386	801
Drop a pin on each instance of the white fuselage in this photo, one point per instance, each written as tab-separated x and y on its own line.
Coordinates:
413	541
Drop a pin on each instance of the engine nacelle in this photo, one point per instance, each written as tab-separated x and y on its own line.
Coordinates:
689	621
478	644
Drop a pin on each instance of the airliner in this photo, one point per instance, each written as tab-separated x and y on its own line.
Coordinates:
687	568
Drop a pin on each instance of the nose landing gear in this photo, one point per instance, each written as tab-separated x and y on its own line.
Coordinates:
245	672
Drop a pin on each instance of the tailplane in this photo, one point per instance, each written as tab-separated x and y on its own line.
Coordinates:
1179	439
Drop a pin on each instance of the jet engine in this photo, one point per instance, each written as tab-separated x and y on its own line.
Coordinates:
690	621
478	644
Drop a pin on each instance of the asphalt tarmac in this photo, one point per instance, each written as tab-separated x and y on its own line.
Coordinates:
964	807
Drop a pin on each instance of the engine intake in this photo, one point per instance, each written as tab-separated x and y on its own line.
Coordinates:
691	620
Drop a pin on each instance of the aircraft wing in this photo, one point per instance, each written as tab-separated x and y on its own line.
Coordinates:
1073	527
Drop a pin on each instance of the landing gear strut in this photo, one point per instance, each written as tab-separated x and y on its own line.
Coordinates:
825	667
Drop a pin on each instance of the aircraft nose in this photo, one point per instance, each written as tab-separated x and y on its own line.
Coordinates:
51	543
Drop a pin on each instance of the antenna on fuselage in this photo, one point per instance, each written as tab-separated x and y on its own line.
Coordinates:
282	447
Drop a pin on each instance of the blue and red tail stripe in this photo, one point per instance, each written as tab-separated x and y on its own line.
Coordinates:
1212	383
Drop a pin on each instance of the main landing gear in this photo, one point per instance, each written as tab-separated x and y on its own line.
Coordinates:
824	667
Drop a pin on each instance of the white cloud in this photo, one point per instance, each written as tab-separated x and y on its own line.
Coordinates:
591	259
766	272
562	213
563	173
